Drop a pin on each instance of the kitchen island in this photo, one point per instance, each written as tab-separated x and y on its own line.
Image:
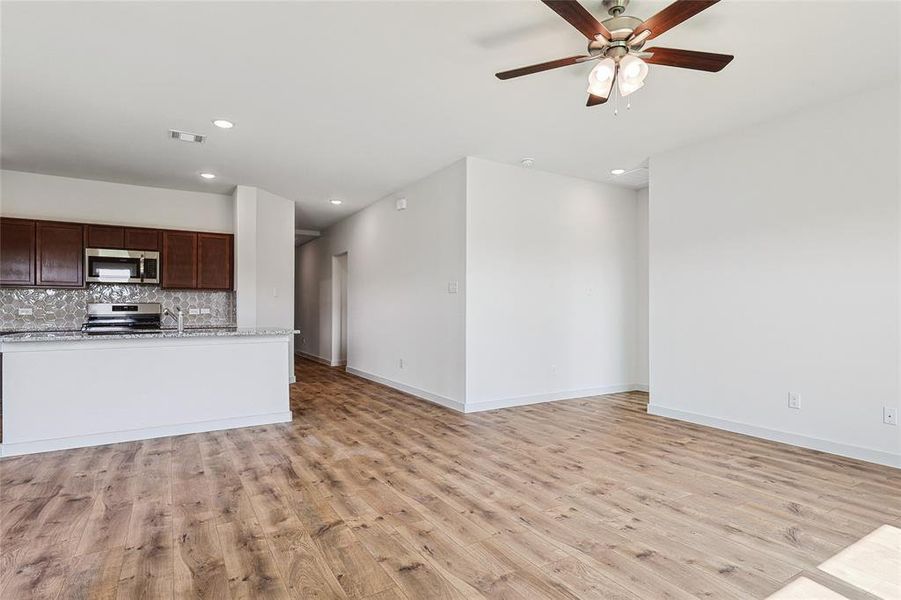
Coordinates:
71	389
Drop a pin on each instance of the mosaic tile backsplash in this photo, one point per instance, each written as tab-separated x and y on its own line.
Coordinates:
61	309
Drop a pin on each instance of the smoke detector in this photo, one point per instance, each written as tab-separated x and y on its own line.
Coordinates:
527	162
185	136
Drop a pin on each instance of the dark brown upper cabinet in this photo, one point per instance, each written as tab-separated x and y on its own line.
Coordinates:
214	261
104	236
59	254
17	247
179	259
142	239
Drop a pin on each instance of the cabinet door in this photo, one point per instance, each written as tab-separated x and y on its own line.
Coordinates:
16	252
142	239
60	254
179	259
214	261
104	236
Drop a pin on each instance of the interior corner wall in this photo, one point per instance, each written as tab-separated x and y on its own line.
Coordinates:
774	268
400	265
264	260
245	207
642	366
552	287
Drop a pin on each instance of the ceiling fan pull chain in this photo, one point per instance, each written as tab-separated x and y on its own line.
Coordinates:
615	102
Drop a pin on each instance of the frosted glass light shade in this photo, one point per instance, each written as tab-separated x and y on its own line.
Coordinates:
600	80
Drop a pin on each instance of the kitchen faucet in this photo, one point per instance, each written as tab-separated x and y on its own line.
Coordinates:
180	318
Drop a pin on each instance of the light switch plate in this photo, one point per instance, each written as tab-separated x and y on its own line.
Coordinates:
452	287
204	311
26	312
889	415
794	400
194	311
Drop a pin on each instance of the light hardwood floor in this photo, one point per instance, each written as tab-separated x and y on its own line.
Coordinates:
372	494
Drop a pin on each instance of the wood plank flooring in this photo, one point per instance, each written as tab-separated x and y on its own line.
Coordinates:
373	494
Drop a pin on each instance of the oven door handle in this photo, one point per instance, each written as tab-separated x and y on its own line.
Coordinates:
141	274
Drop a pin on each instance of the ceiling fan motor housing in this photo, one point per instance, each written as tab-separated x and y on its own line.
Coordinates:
620	28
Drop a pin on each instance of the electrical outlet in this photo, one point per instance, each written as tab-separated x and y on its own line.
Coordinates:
889	415
193	311
26	312
400	363
794	400
204	311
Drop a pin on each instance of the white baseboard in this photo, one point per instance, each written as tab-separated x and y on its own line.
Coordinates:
795	439
319	359
642	387
550	397
424	395
100	439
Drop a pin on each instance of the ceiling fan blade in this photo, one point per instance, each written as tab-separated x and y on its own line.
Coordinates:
687	59
672	15
576	15
552	64
595	100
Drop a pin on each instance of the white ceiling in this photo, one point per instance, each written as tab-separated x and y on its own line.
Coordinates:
356	99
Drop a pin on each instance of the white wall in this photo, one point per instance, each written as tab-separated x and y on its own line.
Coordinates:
774	267
399	264
551	287
275	261
642	369
264	258
49	197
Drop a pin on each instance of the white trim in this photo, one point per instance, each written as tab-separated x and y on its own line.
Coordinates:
315	358
795	439
422	394
549	397
292	379
100	439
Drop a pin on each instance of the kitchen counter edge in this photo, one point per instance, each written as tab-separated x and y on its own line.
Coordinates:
78	336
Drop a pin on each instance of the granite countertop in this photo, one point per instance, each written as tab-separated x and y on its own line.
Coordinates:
75	336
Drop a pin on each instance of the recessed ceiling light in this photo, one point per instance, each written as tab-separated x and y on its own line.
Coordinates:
617	171
223	123
336	202
208	175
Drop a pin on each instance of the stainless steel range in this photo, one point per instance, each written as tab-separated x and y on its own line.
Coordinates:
142	317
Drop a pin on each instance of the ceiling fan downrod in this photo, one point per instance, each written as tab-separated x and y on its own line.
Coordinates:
615	7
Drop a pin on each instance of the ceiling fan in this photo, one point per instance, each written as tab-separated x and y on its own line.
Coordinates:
617	43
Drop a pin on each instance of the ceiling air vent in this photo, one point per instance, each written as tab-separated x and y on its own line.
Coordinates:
184	136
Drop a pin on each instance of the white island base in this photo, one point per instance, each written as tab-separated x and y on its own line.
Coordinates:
69	392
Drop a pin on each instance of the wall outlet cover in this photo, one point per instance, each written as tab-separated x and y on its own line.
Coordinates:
794	400
452	287
194	311
26	312
204	311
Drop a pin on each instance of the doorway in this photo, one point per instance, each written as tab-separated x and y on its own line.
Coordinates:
339	310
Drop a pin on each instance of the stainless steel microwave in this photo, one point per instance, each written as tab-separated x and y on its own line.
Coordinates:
121	266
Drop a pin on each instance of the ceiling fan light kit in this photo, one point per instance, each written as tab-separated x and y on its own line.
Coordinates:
618	44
